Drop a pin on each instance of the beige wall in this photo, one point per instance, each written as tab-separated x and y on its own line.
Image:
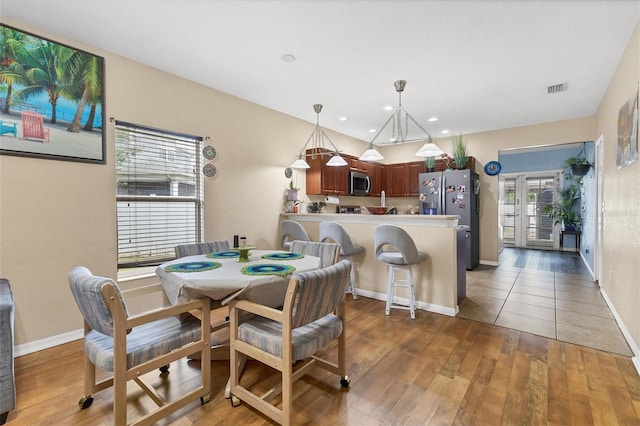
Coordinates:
621	219
55	214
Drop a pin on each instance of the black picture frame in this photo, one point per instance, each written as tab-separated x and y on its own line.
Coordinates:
33	71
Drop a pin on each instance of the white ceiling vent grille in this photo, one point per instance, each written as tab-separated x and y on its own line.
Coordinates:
557	88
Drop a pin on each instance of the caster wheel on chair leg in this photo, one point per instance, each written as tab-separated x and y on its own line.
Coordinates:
344	382
85	402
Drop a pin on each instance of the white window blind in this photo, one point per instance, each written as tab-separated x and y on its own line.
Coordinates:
159	193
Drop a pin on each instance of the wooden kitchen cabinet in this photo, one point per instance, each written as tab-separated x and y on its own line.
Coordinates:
402	179
326	180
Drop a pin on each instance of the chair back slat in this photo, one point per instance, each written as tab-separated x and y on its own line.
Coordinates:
329	253
318	292
87	291
184	250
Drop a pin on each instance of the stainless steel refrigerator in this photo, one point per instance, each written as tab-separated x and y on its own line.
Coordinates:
454	192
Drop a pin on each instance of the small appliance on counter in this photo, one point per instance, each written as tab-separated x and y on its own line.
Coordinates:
348	209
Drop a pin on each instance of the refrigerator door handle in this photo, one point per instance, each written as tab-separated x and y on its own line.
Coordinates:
443	195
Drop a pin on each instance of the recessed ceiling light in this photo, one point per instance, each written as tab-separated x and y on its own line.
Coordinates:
388	108
288	57
372	130
433	118
445	131
343	118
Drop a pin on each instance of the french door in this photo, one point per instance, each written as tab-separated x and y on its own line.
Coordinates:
523	197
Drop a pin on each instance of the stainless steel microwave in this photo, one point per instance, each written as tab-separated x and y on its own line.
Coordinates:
359	183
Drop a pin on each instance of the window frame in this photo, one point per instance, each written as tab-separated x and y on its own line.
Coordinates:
143	248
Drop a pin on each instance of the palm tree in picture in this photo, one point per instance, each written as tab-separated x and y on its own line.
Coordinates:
82	74
43	73
11	71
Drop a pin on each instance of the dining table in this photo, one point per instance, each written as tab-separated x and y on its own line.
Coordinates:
262	276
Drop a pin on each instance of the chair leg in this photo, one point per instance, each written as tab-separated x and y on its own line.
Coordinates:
412	295
390	290
352	282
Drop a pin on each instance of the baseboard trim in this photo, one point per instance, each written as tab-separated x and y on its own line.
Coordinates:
49	342
584	260
431	307
632	344
489	263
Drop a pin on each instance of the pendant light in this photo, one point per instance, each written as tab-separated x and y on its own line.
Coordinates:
318	148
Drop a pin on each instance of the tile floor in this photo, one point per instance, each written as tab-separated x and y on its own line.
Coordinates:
564	306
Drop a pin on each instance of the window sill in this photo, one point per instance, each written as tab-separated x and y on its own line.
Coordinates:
132	274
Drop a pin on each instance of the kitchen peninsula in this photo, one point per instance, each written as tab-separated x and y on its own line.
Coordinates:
440	282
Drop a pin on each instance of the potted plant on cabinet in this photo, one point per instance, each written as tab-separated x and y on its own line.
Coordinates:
563	211
459	151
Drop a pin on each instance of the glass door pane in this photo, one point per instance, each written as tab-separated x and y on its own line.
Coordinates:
538	226
509	212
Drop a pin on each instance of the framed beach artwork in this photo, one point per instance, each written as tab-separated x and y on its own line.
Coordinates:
627	151
51	99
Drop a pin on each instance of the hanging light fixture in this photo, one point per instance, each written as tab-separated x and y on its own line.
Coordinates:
400	120
318	148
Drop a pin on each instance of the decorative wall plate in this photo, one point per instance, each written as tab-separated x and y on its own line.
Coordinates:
209	152
492	168
288	172
209	170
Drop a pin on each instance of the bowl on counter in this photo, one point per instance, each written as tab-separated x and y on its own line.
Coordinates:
377	209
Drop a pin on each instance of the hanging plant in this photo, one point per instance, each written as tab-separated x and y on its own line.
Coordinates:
578	166
459	151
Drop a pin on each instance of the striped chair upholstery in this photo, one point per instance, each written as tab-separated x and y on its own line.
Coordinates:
328	253
115	341
184	250
312	317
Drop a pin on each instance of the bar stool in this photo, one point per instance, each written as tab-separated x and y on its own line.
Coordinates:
336	232
403	258
291	230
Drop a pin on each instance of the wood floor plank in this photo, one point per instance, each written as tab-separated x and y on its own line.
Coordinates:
432	370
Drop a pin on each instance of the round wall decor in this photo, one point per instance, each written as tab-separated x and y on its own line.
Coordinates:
492	168
209	152
209	170
288	172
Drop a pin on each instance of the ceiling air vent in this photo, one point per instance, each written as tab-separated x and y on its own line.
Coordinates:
556	88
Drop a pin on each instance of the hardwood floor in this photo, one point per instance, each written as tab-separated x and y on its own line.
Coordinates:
432	370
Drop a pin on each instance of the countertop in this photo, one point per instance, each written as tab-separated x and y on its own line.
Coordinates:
396	219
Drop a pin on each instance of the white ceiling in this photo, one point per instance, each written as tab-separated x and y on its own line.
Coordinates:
476	65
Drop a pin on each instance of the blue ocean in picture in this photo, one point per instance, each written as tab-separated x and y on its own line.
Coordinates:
65	108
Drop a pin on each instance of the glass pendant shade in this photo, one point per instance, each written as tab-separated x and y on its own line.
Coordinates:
371	154
300	164
429	149
336	161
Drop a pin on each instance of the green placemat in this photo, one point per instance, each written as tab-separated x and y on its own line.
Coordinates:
224	254
268	269
285	255
192	266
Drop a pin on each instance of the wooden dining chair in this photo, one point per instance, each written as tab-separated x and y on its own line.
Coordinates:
131	346
313	316
184	250
329	253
